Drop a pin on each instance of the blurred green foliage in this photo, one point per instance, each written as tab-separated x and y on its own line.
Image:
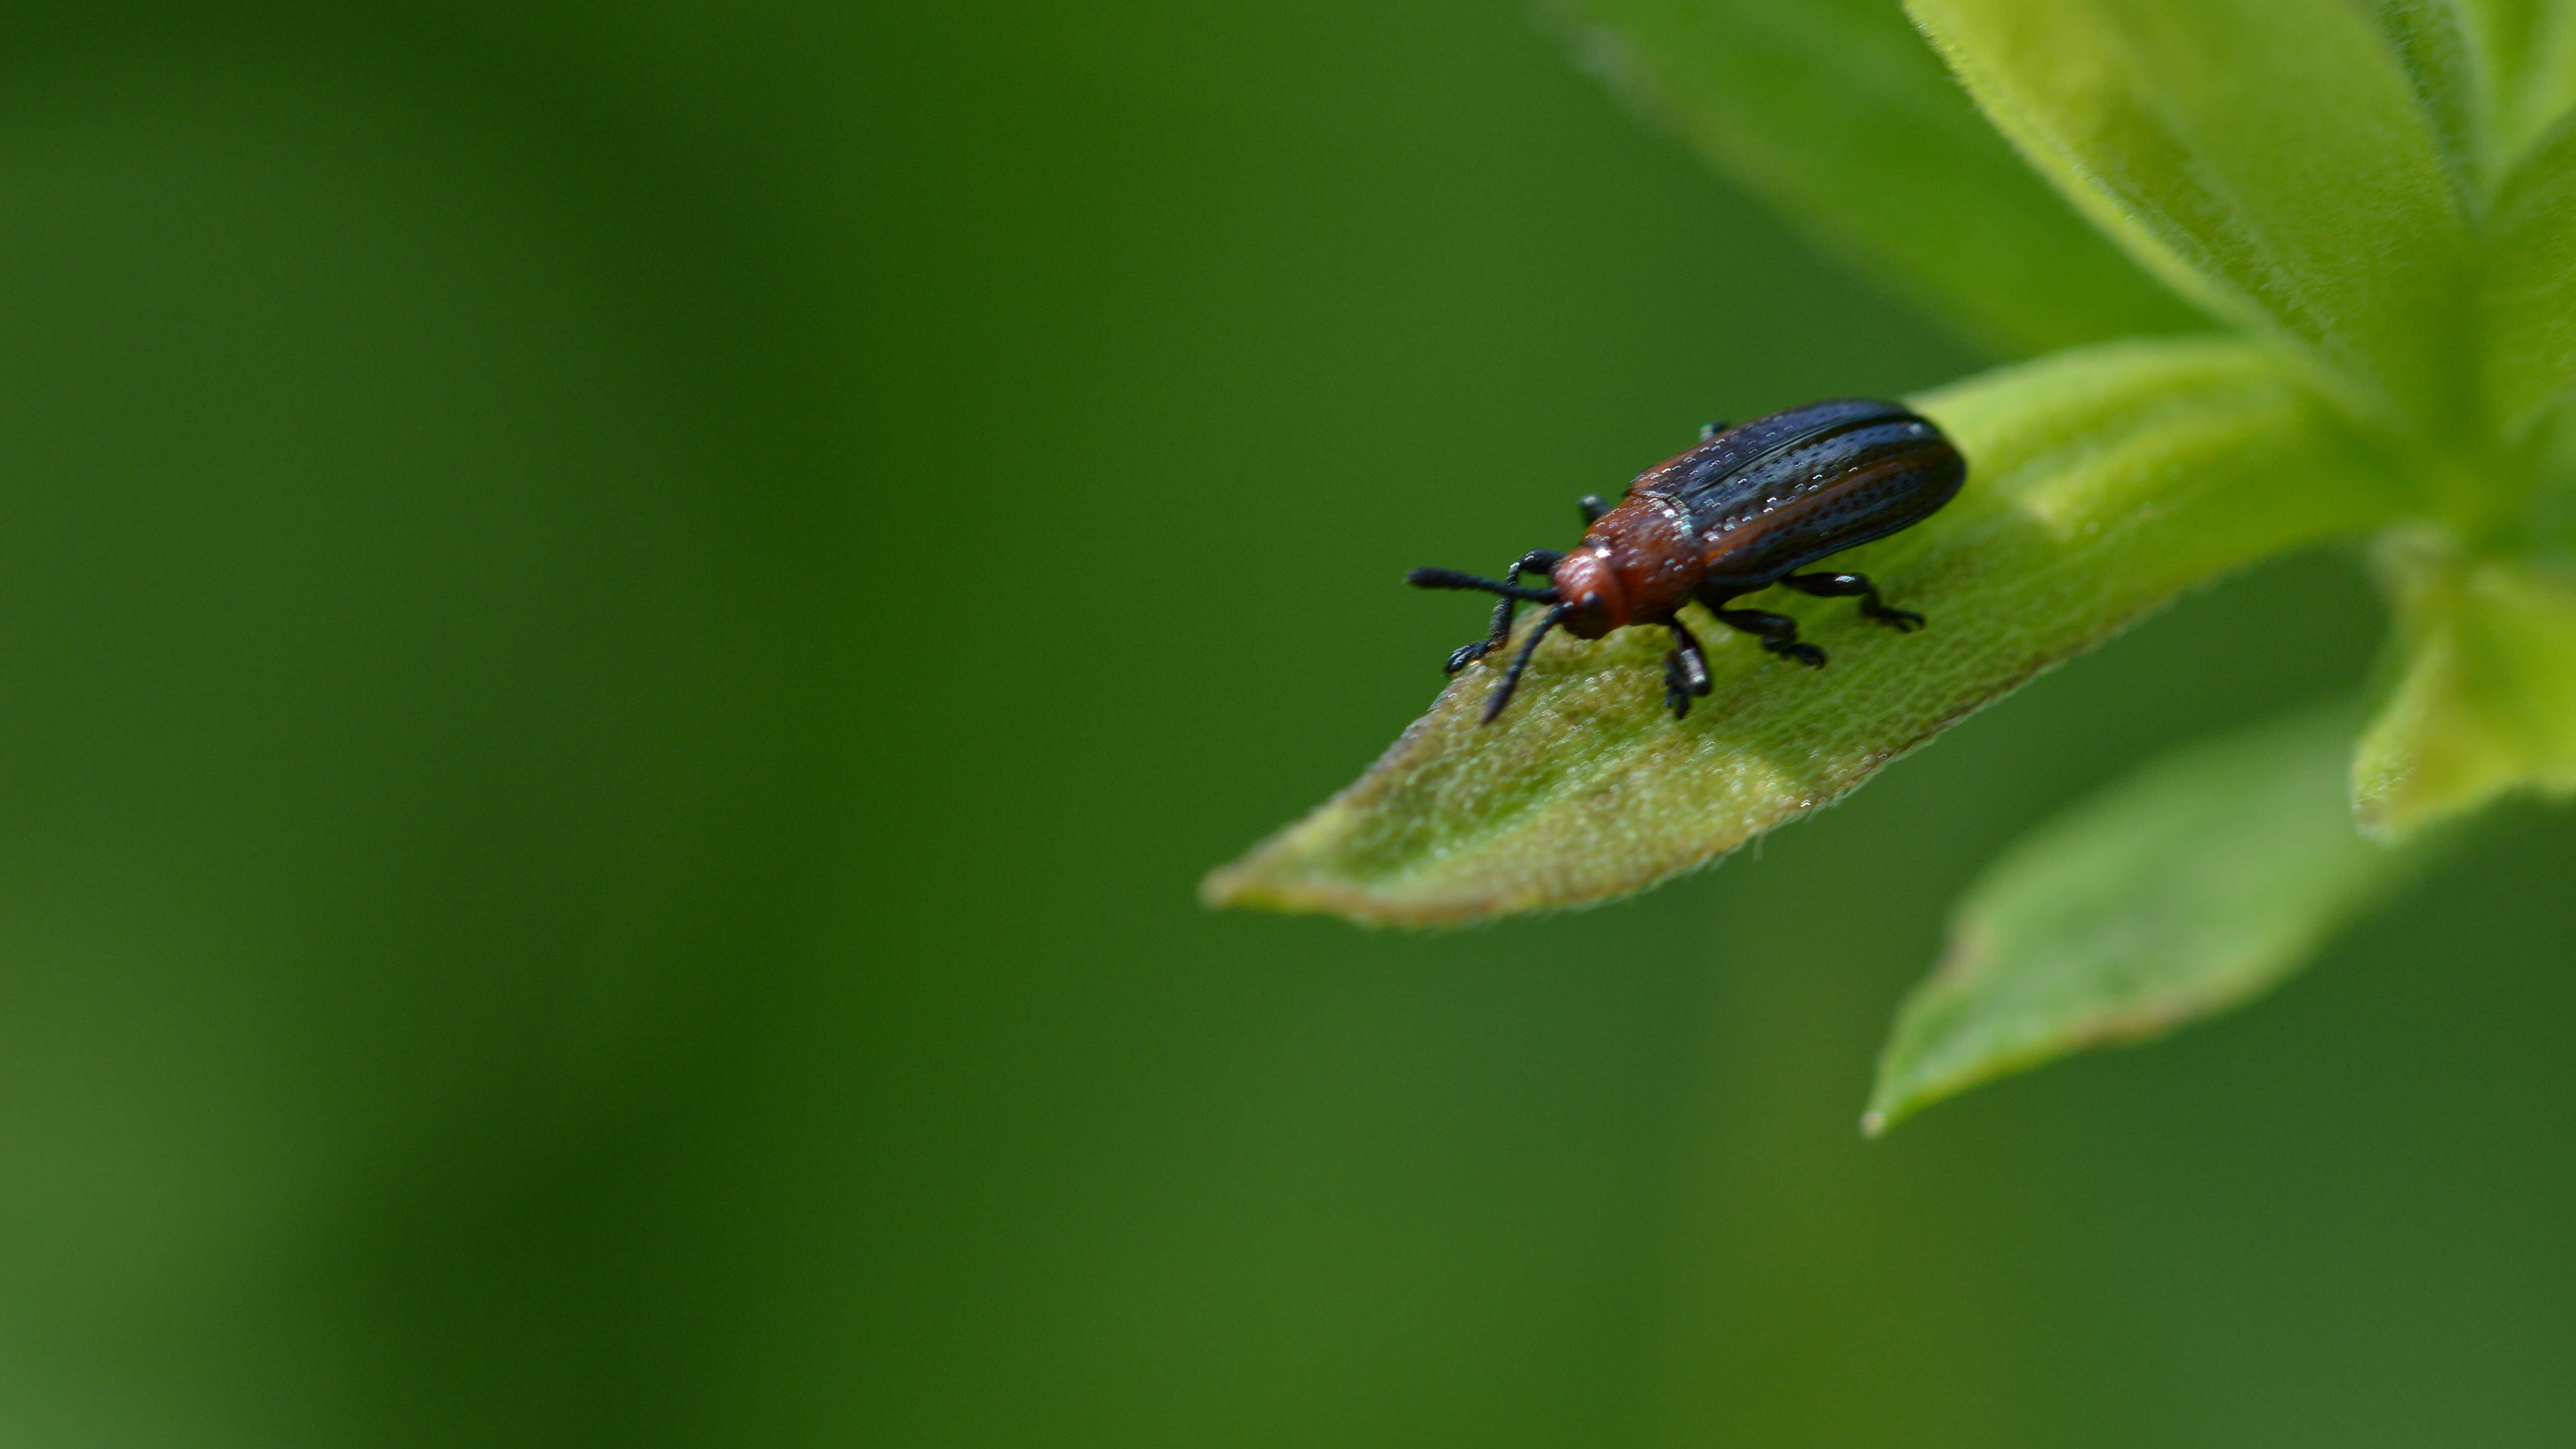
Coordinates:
626	628
2317	177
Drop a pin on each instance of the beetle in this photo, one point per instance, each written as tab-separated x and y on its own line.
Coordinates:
1746	509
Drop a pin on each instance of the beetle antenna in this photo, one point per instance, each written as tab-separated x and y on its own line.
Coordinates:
1512	676
1452	579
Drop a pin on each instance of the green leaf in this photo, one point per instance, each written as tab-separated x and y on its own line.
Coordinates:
2525	54
2528	288
1839	114
2527	295
2485	701
2490	76
2188	888
2267	159
2436	44
2100	483
2493	76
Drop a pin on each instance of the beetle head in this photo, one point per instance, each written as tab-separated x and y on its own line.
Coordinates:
1594	602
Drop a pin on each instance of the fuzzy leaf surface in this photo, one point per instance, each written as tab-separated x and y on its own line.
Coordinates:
2269	160
2527	295
2492	76
2192	886
2101	482
2524	55
1838	113
2485	704
2435	46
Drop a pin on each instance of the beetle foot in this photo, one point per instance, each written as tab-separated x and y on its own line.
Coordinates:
1806	654
1682	681
1466	654
1903	621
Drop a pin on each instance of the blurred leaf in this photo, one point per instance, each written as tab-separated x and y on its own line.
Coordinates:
2486	700
2100	482
2188	888
2528	287
1837	112
2445	68
2525	54
2493	76
2266	159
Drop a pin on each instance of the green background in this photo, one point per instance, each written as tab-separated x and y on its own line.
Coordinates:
624	631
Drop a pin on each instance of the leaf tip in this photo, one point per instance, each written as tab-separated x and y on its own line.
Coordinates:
1250	883
2380	823
1899	1093
1275	876
1221	888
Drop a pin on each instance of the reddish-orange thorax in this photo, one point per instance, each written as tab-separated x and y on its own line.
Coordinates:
1639	562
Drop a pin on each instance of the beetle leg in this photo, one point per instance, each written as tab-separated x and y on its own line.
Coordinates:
1685	670
1843	586
1594	507
1536	561
1502	694
1708	431
1778	632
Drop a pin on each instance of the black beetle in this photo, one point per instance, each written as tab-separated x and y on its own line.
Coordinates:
1742	511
